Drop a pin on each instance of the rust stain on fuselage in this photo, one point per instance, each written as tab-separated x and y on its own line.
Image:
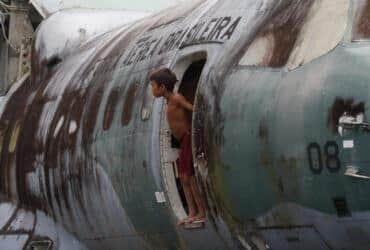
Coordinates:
283	31
265	154
78	108
363	26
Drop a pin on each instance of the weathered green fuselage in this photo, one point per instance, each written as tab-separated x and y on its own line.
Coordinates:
82	140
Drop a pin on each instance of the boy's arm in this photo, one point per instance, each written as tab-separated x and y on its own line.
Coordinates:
184	103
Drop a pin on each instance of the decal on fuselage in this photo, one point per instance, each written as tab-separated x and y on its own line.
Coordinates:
332	161
216	30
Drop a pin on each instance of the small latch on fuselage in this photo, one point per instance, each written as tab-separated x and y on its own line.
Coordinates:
352	171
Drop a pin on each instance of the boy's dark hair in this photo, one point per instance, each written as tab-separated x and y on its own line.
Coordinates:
164	77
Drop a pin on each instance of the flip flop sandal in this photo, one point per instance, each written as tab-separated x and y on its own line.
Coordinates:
202	220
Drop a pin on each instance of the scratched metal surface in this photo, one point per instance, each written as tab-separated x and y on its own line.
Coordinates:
81	167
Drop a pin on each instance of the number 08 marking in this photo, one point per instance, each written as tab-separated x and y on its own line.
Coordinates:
315	163
331	151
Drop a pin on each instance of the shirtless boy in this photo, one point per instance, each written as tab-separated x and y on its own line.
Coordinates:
163	82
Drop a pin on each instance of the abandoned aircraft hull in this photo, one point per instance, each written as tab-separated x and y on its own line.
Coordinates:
280	136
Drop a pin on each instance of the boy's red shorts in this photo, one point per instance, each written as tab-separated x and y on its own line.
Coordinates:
185	160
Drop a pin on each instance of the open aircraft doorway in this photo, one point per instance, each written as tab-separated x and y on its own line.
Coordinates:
189	70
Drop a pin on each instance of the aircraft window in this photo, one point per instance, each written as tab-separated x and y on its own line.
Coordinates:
361	28
92	112
298	34
109	110
148	100
129	103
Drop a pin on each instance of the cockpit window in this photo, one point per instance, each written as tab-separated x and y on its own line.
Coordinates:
298	33
361	28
